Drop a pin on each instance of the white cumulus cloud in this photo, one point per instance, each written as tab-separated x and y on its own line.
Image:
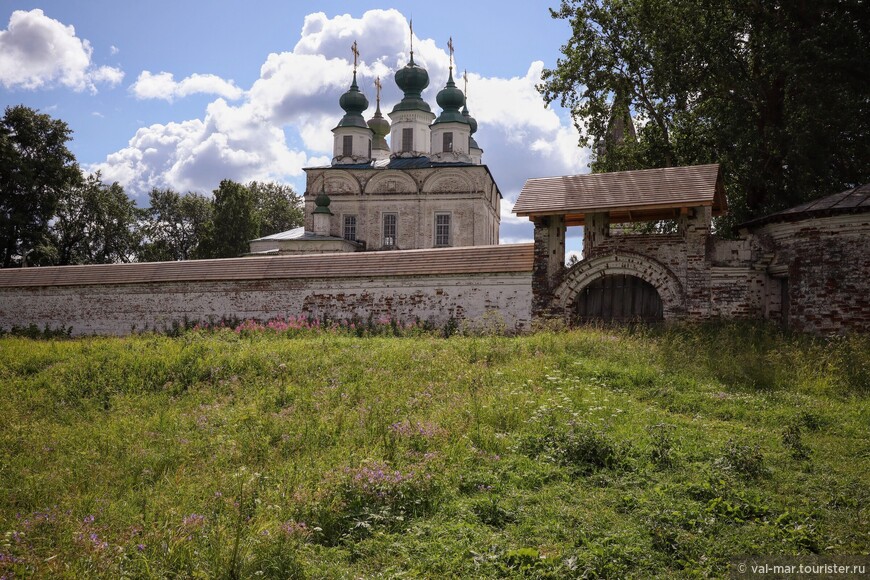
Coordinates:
164	86
522	138
228	143
296	97
37	52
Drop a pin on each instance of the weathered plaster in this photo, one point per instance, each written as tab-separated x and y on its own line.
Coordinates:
119	309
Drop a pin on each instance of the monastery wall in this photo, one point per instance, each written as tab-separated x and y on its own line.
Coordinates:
739	284
824	266
119	309
739	292
435	286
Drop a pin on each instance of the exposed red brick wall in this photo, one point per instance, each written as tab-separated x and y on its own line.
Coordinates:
828	265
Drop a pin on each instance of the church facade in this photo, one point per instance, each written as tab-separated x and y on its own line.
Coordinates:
426	188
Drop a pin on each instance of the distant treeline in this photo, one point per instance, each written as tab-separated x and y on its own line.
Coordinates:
52	214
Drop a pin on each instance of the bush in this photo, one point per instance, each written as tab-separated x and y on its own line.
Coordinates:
793	440
581	447
662	452
490	512
742	459
32	331
373	496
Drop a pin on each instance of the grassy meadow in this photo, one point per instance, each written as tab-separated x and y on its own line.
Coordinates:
306	453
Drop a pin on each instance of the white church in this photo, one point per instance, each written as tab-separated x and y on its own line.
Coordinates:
427	188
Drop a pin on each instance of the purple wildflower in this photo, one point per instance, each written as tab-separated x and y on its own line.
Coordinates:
293	528
193	521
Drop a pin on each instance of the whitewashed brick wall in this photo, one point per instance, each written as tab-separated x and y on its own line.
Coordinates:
119	309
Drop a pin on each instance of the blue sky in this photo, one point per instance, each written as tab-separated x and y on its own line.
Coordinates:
185	93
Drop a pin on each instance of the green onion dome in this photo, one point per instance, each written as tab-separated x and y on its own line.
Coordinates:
322	202
472	144
379	126
354	103
450	98
412	79
469	119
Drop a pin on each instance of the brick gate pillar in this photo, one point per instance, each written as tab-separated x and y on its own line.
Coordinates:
549	263
695	227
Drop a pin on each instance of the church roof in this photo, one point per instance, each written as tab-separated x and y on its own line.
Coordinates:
354	103
412	79
642	195
855	200
464	260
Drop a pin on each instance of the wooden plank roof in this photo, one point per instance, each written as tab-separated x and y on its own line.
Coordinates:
855	200
633	195
466	260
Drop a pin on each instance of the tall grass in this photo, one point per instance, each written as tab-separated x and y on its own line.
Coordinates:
290	453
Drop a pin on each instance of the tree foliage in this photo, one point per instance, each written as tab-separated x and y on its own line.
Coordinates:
50	214
95	223
174	225
241	213
278	207
777	91
234	222
36	167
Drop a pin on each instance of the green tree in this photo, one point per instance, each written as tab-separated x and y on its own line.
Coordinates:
777	91
36	167
174	225
95	223
278	207
233	224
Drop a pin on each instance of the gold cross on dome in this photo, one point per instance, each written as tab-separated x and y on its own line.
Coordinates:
450	47
465	78
378	87
411	25
355	52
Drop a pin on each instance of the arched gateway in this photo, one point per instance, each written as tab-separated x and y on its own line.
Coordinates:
619	287
624	275
617	298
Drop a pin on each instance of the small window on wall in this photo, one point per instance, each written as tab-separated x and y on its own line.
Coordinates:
448	142
347	146
350	227
390	230
442	229
407	140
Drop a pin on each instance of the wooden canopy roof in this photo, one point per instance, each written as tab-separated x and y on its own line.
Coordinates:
465	260
627	196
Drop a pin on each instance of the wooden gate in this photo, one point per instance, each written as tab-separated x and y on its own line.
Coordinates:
618	298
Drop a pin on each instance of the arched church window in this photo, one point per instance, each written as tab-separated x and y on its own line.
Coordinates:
390	230
442	229
407	140
347	146
350	227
